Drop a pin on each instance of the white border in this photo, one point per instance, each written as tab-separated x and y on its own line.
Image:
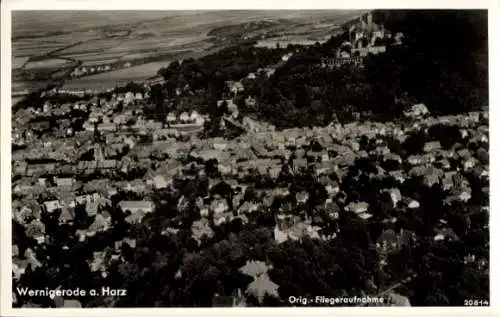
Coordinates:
5	167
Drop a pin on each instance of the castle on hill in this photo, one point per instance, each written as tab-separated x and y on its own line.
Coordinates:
365	37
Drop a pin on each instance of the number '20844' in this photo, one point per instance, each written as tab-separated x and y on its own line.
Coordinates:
476	302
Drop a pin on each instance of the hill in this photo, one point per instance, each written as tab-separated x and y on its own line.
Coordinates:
442	63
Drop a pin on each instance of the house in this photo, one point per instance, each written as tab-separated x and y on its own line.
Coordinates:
36	230
255	268
64	182
232	107
285	222
171	117
274	171
365	215
250	101
130	242
219	206
248	207
30	255
416	111
432	146
23	214
262	286
51	206
107	164
235	86
469	163
414	160
136	206
225	169
299	163
100	224
197	118
106	127
92	207
302	197
159	182
219	144
286	57
395	195
20	168
200	229
18	268
119	97
184	117
135	217
445	234
357	208
129	98
414	204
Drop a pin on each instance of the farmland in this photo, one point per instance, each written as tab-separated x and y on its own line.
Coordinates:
110	38
51	63
18	62
116	78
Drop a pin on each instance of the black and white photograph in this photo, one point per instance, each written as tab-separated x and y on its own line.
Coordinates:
248	158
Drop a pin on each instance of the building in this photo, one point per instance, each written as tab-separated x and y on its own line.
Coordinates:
136	206
184	117
365	37
171	118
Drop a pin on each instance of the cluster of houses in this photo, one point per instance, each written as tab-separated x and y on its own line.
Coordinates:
53	169
90	70
87	70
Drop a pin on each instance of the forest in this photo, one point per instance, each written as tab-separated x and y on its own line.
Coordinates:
442	63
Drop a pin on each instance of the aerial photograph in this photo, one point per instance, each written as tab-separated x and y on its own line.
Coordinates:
250	158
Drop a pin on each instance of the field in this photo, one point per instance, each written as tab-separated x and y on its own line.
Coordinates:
35	49
97	37
118	77
19	88
90	47
98	62
51	63
18	62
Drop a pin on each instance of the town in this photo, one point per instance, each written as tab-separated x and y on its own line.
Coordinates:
102	187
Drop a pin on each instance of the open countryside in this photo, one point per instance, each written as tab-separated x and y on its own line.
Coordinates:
135	50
